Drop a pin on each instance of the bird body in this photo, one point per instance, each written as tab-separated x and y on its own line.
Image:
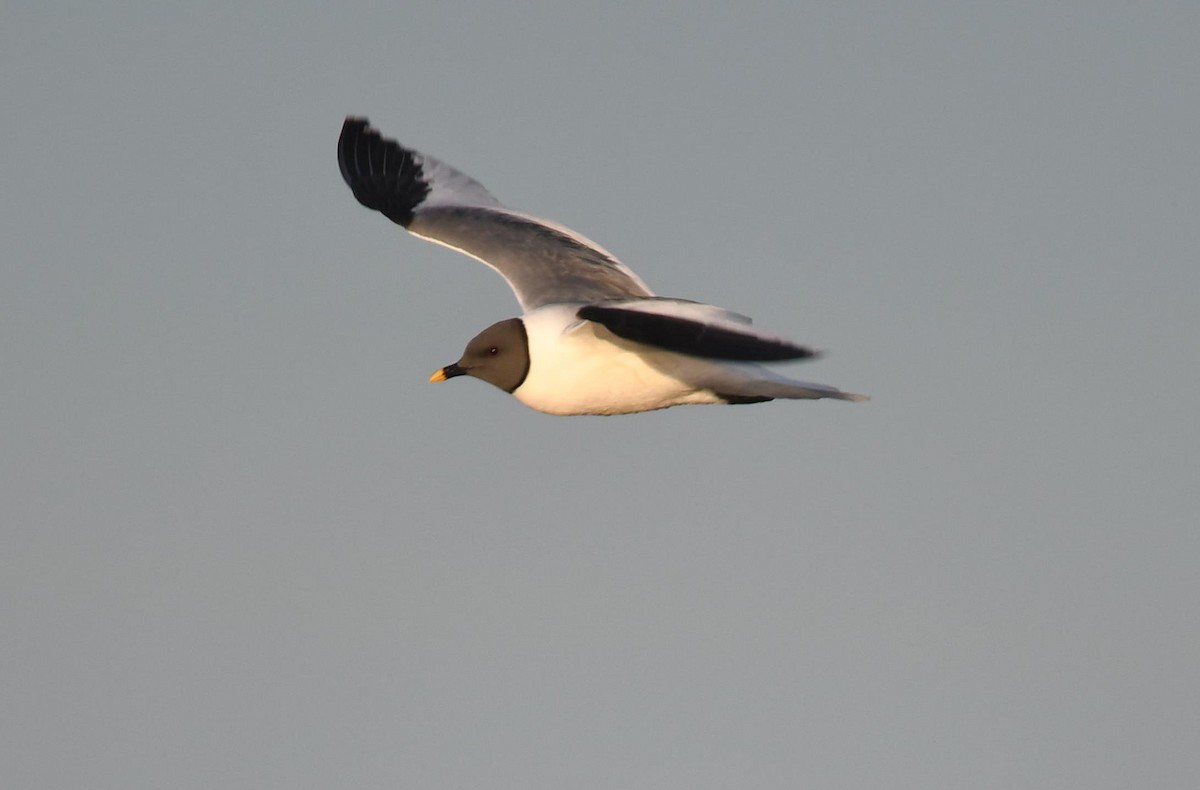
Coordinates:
593	338
579	367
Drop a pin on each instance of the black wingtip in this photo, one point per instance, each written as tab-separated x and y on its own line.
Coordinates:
694	338
383	175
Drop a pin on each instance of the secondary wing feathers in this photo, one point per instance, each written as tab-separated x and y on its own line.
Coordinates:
543	262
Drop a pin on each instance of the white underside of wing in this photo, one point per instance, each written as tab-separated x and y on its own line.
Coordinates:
448	246
452	199
452	188
449	186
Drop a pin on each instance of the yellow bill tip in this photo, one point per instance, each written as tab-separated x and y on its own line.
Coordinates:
438	375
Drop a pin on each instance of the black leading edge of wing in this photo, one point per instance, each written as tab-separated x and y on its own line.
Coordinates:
382	174
695	338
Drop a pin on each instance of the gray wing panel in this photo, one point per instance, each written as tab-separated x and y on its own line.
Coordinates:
542	263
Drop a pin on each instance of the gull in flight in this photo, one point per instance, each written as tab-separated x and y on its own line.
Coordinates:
592	339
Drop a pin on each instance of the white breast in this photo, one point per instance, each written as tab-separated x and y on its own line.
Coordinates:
578	367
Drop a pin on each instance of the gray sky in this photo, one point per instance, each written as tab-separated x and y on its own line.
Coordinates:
245	545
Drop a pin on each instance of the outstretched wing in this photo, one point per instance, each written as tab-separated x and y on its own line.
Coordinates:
543	262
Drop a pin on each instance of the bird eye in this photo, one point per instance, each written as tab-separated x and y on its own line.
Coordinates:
493	351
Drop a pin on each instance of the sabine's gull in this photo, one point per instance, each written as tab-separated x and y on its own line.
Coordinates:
593	338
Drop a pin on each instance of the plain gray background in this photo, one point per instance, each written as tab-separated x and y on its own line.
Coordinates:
245	545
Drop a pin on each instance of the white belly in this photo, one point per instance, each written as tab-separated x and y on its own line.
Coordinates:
578	367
